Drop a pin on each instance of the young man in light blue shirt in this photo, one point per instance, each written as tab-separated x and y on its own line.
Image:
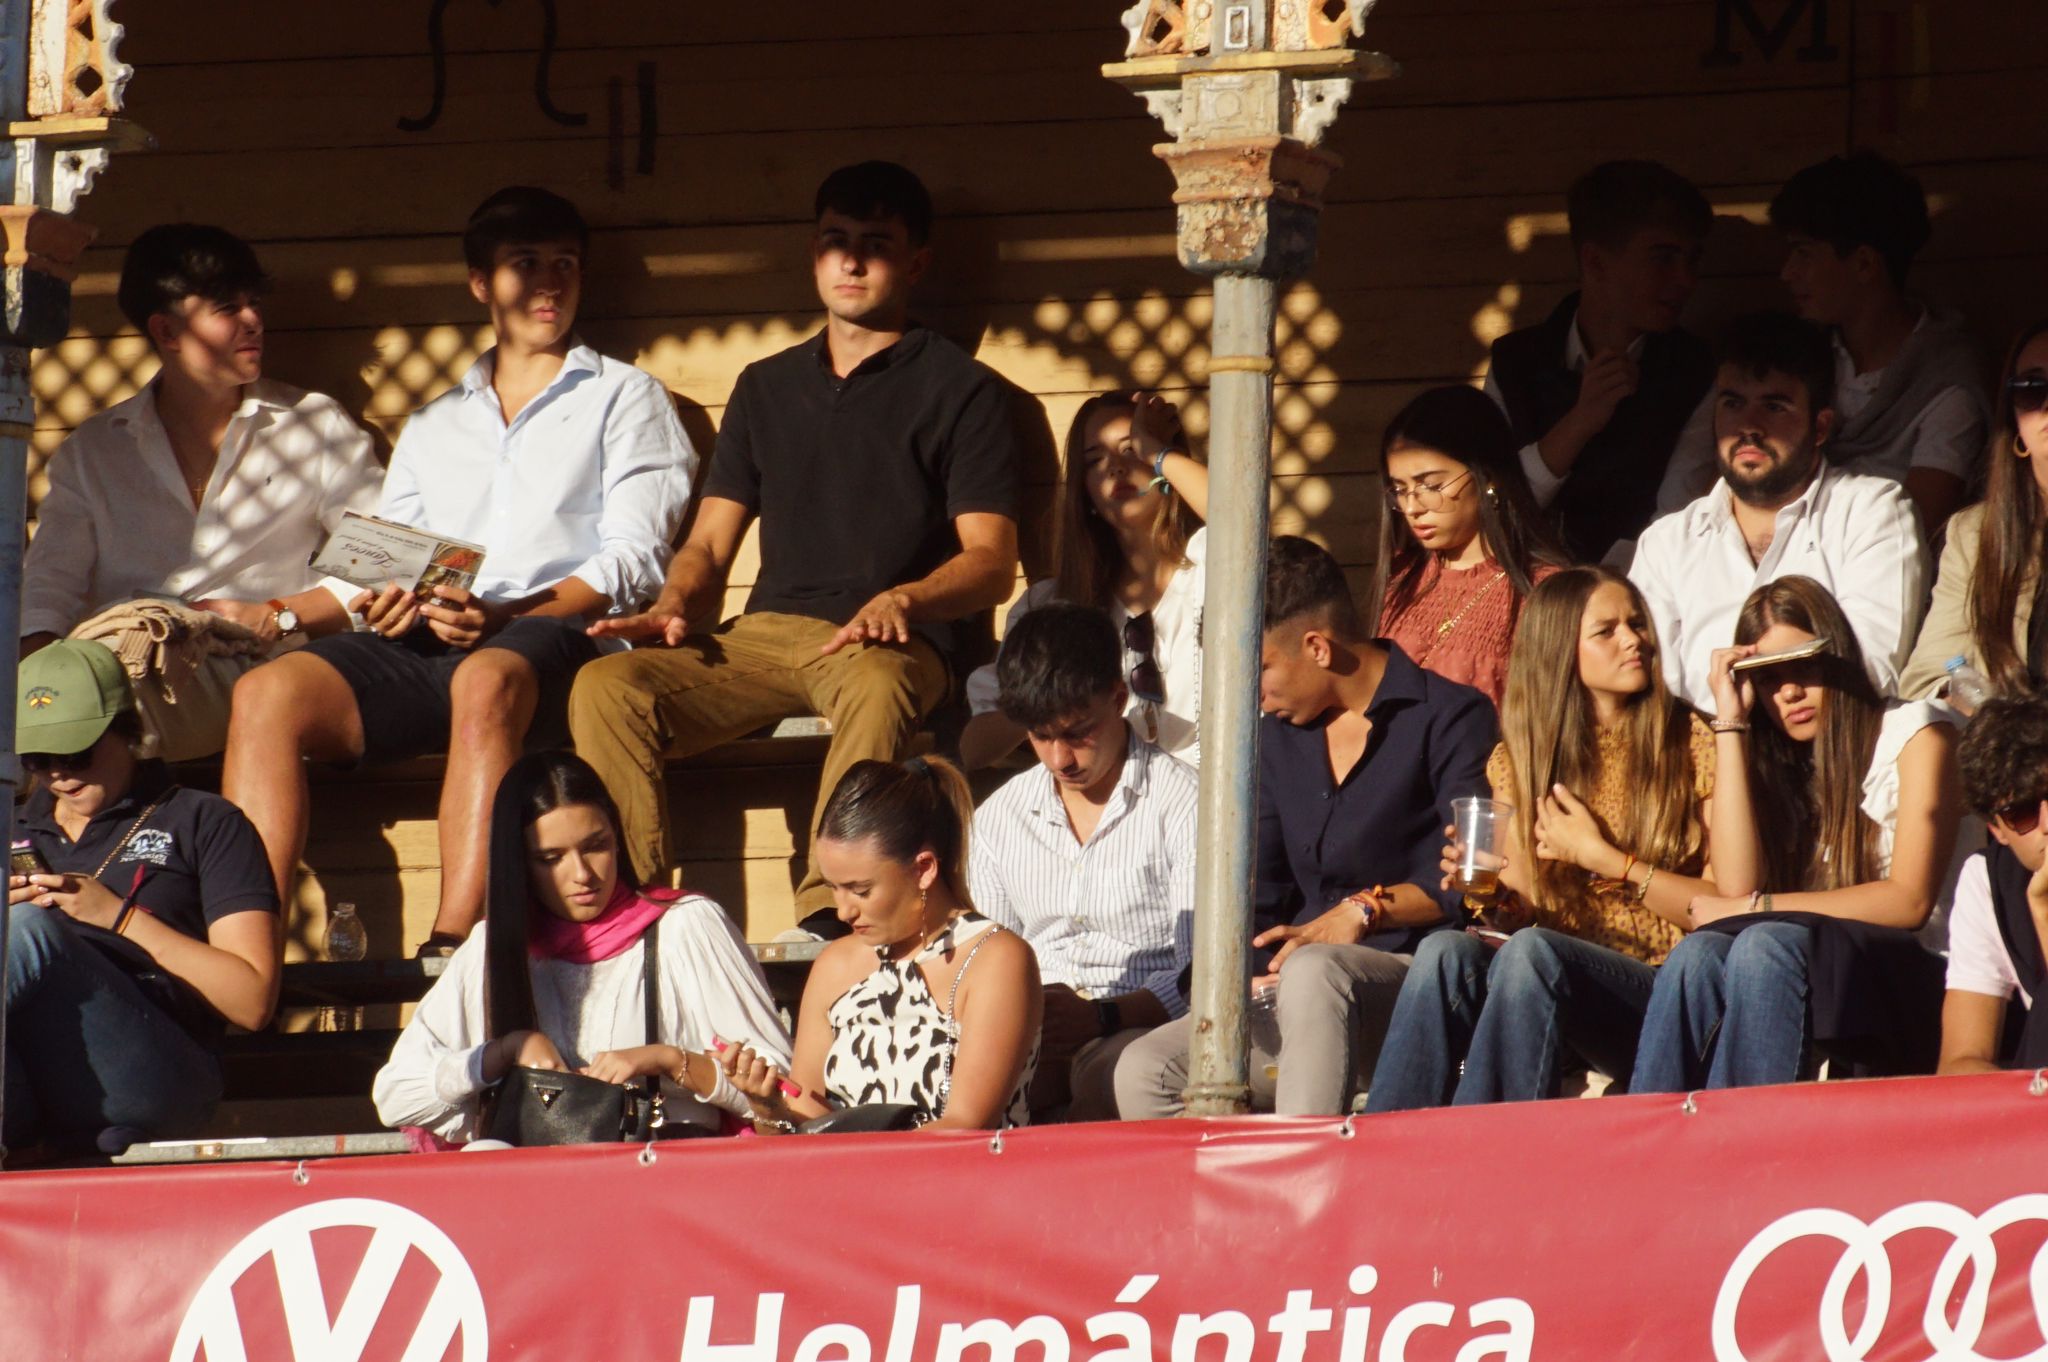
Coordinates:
572	471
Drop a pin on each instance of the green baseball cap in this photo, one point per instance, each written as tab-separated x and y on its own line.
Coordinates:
69	693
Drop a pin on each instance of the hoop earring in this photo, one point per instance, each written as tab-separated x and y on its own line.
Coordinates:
2019	445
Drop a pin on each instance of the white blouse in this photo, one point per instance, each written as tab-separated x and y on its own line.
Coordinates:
118	521
1172	726
1881	804
710	987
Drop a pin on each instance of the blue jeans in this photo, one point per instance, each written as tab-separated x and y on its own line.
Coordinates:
1512	1016
87	1049
1728	1011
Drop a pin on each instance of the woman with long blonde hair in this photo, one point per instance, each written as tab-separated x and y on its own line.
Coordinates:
1613	785
1858	814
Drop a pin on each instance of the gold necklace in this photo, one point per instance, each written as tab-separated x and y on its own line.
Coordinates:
1443	630
1451	623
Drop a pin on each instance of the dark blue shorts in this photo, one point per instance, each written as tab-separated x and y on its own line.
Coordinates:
401	685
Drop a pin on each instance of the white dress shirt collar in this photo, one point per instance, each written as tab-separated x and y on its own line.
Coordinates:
1719	505
580	360
1125	795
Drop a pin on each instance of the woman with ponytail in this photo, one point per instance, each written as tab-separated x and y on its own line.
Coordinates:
553	978
927	1003
1983	607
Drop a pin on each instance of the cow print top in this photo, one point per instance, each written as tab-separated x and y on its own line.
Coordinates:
890	1037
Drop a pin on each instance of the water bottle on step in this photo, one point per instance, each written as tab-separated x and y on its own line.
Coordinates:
345	940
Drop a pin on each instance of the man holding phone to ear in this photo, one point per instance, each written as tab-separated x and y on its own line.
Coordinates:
1781	509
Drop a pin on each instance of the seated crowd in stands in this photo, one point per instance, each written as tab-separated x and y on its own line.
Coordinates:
1661	601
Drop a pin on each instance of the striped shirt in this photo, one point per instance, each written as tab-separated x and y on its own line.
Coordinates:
1109	916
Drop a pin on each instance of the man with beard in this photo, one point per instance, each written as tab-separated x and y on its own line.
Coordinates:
1089	856
1781	509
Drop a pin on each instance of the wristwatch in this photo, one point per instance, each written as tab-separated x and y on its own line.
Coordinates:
285	618
1109	1019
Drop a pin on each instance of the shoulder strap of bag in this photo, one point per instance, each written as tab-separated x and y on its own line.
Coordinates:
649	979
650	983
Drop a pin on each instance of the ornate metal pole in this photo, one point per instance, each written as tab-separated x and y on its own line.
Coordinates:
60	87
1246	88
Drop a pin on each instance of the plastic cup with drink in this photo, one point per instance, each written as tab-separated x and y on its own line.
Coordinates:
1480	831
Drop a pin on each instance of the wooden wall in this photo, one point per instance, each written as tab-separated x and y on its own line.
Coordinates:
1055	253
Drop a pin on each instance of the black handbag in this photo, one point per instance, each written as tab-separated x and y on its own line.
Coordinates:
532	1107
865	1119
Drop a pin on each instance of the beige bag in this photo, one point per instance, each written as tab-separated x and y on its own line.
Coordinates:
182	664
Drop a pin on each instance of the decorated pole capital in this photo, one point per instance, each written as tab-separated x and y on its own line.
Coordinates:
1247	88
62	84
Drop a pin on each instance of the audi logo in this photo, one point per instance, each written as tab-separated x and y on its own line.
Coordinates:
1866	1257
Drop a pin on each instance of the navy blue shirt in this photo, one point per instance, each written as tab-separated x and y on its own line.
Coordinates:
1322	840
193	861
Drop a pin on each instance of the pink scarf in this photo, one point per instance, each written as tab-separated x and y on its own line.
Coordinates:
604	936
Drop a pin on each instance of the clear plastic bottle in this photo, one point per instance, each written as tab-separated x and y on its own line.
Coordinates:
346	940
1262	1026
1967	688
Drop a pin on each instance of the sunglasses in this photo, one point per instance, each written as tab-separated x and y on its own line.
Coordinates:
42	763
2029	393
1146	682
2021	818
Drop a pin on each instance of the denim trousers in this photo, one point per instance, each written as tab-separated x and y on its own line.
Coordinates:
87	1049
1513	1016
1728	1011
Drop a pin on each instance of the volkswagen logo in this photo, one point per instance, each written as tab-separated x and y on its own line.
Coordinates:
1866	1257
454	1309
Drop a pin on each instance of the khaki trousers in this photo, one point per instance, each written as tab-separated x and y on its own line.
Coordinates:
1334	1006
631	711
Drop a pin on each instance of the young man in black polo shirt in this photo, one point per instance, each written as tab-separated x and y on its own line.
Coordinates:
882	462
1360	754
1599	392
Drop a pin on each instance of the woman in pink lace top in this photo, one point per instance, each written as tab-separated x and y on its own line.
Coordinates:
1462	542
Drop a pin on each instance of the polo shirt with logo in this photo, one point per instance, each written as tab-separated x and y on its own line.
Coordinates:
199	860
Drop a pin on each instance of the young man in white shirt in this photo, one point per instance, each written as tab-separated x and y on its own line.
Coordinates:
1089	856
212	487
1780	509
1910	403
1998	923
572	471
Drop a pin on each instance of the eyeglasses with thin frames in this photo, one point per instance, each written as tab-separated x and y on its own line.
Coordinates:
1427	496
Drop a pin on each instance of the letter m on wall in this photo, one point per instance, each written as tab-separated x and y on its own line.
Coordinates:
1770	38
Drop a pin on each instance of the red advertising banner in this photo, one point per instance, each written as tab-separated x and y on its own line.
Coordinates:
1859	1222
